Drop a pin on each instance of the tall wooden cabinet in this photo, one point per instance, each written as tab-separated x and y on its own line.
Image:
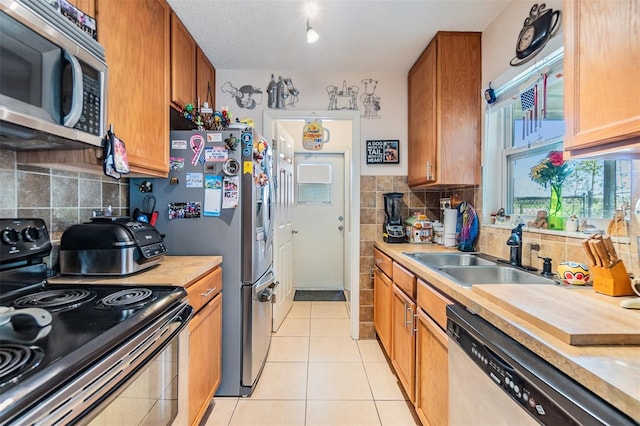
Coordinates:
205	343
135	35
602	75
445	112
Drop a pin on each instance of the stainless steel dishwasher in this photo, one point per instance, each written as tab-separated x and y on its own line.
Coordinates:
494	380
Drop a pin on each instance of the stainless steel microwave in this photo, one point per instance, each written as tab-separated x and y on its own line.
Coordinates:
53	79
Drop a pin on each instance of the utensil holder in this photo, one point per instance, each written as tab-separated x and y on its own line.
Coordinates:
613	281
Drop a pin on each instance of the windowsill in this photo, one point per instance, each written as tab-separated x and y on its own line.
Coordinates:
580	235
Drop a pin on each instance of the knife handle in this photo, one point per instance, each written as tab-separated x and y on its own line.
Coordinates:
602	253
587	250
611	250
594	252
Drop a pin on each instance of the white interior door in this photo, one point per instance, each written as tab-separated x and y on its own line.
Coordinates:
319	217
283	229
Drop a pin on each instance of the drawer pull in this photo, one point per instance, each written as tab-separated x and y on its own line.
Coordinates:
209	291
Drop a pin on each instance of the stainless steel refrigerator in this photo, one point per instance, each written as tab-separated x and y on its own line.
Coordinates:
217	201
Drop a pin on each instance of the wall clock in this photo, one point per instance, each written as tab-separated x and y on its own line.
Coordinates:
538	28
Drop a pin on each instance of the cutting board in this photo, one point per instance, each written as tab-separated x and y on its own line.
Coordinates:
575	316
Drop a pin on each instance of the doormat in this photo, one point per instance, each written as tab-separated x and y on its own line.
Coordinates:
319	295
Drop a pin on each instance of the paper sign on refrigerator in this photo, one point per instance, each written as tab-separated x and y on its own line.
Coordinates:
212	195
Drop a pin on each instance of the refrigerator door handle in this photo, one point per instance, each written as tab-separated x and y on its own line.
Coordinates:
265	282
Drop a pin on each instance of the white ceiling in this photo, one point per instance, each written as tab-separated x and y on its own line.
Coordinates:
355	35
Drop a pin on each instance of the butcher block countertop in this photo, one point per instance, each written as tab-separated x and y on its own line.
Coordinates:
180	271
611	371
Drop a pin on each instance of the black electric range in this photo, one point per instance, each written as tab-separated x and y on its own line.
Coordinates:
41	352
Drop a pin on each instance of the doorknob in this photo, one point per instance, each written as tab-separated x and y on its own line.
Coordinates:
294	231
340	218
340	228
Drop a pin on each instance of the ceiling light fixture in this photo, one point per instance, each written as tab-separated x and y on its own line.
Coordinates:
312	35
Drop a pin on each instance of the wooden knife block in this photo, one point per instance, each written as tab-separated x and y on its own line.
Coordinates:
612	281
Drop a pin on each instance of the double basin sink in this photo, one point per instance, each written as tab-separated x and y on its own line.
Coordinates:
469	269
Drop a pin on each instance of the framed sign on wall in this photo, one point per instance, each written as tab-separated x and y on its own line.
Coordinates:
383	152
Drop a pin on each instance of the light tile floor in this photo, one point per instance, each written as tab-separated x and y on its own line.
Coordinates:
316	375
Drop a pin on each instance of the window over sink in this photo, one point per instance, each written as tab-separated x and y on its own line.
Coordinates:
522	127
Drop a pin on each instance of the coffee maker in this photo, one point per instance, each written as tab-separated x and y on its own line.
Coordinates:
393	229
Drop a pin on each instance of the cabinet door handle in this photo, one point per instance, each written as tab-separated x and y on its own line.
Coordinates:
414	326
429	170
404	320
209	292
410	323
406	323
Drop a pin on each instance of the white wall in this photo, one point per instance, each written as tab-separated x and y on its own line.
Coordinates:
499	42
391	88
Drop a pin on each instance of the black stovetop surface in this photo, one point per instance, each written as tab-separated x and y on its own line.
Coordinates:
79	334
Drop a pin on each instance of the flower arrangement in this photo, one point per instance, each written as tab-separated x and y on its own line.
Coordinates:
551	170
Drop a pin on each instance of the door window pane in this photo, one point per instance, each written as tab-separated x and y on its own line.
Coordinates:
314	193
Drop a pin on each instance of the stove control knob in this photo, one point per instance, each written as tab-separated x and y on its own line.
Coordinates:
9	236
30	234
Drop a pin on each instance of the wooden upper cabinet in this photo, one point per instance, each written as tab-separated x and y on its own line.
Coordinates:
135	35
445	112
183	65
602	75
205	80
422	119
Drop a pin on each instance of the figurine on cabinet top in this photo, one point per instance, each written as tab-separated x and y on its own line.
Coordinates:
540	221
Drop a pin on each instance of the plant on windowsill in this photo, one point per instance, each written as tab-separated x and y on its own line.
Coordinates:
552	171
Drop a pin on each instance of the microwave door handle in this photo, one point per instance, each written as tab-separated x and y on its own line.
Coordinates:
71	119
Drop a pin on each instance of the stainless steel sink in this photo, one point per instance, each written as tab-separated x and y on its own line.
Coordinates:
435	260
472	275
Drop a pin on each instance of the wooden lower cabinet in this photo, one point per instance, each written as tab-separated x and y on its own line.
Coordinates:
432	372
382	307
205	344
403	346
205	332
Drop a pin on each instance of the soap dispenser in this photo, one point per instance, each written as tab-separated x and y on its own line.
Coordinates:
546	266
